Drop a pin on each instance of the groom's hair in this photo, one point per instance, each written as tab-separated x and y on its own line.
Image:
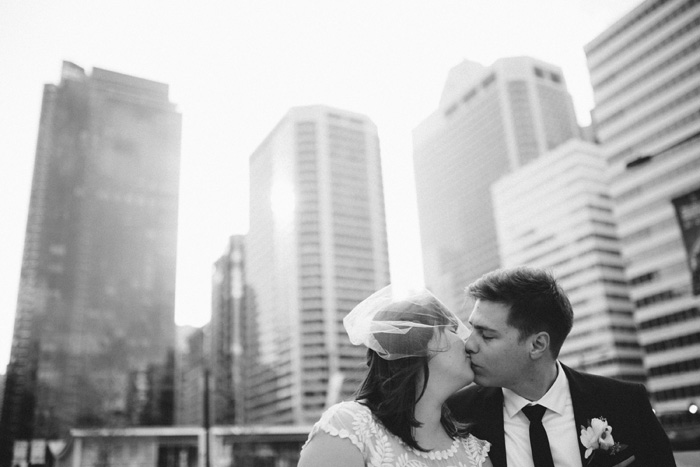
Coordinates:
535	300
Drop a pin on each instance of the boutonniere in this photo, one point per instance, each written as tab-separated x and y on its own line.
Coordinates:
598	440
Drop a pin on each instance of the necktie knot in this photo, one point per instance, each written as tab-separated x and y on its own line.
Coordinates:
534	413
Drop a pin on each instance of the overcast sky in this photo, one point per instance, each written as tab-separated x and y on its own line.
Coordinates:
235	67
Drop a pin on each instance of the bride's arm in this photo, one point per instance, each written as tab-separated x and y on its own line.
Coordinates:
324	450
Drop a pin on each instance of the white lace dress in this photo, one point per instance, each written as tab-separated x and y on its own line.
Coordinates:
380	448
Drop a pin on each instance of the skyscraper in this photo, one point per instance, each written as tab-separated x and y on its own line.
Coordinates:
229	331
645	71
316	247
556	213
190	372
97	286
490	120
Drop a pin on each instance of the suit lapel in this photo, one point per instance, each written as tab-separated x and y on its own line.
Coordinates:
492	424
582	402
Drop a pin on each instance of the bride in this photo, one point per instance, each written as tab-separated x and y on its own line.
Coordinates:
416	359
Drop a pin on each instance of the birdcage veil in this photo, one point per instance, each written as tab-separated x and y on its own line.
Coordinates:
399	323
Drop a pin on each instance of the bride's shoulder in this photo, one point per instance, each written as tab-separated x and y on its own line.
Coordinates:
348	407
350	420
347	410
478	448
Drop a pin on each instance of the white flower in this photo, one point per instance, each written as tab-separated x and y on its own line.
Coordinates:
606	440
596	436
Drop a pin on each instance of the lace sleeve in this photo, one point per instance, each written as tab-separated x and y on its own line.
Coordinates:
349	420
478	449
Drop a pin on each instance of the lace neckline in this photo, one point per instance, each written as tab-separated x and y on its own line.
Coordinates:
432	455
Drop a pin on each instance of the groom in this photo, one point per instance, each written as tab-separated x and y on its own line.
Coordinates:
520	320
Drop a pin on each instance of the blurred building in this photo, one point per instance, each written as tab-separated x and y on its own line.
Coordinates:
490	120
556	213
97	286
260	446
316	247
190	371
151	397
144	446
645	71
230	334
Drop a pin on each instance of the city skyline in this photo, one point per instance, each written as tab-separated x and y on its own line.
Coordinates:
235	70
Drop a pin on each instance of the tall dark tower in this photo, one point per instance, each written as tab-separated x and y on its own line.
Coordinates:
229	328
97	286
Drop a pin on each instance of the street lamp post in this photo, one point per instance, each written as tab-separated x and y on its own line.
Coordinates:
206	417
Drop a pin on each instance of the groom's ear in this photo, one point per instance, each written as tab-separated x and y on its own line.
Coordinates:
539	345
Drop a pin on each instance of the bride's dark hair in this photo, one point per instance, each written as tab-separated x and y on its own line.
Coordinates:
391	388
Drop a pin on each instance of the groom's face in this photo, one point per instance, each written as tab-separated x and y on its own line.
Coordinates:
498	356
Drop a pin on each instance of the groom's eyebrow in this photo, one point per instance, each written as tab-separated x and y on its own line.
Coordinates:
482	328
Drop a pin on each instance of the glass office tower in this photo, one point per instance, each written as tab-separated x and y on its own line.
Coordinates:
97	286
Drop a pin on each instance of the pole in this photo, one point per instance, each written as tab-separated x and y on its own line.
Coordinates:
207	462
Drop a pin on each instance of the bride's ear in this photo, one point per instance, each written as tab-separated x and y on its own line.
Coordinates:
539	345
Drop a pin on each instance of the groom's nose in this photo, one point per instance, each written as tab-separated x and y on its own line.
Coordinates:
469	344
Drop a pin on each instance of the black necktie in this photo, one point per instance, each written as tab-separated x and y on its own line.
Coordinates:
541	455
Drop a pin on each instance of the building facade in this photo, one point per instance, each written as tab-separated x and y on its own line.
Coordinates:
556	213
97	286
221	446
645	72
190	375
490	120
230	331
316	247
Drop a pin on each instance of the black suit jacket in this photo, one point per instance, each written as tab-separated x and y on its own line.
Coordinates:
624	405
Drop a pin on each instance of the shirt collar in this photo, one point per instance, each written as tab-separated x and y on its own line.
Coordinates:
554	399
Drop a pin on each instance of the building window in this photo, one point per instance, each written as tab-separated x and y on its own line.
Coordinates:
675	343
684	366
689	314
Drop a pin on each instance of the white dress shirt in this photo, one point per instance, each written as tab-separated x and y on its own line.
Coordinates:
558	421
